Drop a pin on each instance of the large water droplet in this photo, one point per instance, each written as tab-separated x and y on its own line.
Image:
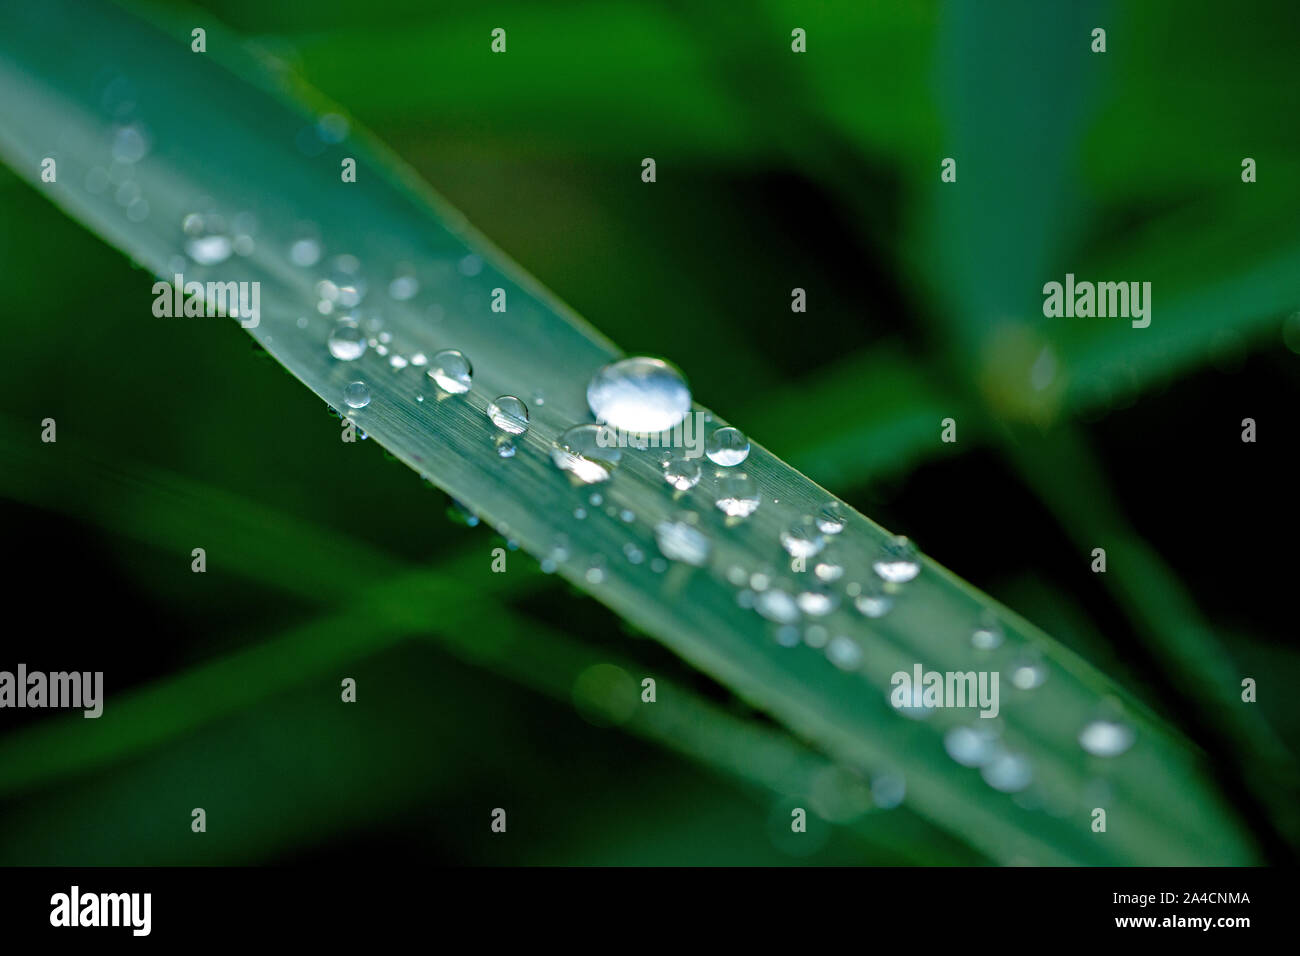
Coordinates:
898	561
451	371
680	541
347	342
357	395
508	414
727	446
587	453
639	395
737	495
1106	738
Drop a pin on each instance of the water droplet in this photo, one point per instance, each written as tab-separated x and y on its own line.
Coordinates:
680	541
1028	672
1106	738
831	519
727	446
305	251
987	634
1008	772
682	473
404	285
508	414
451	371
639	395
506	449
357	395
586	453
888	790
205	247
398	362
898	561
777	605
787	635
872	600
347	342
971	746
817	602
130	144
844	653
828	569
737	495
802	539
816	636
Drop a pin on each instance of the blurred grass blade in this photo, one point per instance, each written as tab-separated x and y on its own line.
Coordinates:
222	140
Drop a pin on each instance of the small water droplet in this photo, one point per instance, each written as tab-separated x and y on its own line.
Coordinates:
737	495
832	517
727	447
872	600
356	395
987	634
844	653
802	539
1008	772
506	449
816	636
1028	672
586	453
451	371
817	602
404	286
898	561
508	414
347	343
777	605
971	746
680	541
208	249
305	251
1106	738
681	472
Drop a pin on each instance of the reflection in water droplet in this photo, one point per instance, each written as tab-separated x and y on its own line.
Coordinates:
508	414
357	395
682	473
898	561
1008	772
640	395
586	453
1106	738
737	495
451	371
347	342
831	519
727	447
681	542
